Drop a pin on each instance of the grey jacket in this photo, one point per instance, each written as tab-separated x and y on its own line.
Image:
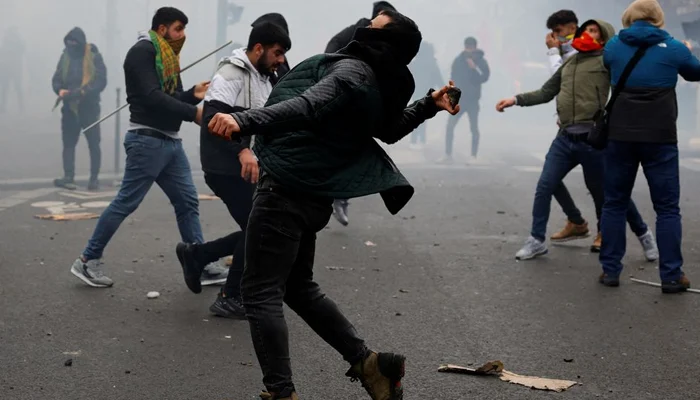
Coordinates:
236	86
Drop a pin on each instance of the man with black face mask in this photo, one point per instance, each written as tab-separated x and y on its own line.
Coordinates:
339	41
79	79
314	138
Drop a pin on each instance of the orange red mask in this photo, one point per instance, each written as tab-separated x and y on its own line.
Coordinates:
586	43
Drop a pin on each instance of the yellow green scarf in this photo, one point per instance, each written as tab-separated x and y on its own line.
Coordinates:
88	73
167	63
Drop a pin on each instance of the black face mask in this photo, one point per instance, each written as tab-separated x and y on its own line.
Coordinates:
75	50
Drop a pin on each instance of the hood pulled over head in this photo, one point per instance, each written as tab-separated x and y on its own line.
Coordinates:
380	6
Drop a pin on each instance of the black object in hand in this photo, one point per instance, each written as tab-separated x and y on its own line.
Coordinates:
454	94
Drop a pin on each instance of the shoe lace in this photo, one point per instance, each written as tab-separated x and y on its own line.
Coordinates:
96	268
354	377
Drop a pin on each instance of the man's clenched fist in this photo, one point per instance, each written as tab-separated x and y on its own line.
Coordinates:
223	125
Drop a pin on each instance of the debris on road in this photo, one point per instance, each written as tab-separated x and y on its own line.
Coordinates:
500	212
68	363
496	368
658	284
403	291
370	244
334	268
67	217
153	295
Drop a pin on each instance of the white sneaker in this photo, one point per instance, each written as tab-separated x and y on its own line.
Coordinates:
651	250
445	160
533	248
91	273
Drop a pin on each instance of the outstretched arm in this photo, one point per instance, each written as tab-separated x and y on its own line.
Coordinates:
315	106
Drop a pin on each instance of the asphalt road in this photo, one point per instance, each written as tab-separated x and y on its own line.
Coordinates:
441	285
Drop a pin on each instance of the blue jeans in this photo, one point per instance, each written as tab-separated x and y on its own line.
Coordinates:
563	156
660	165
150	160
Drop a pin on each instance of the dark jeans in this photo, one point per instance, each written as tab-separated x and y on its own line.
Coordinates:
71	125
473	110
237	194
150	160
280	247
563	197
563	156
660	165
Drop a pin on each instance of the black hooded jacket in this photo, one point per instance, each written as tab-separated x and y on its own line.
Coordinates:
278	19
344	37
469	79
316	133
74	75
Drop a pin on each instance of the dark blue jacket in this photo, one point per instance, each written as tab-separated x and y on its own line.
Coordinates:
646	110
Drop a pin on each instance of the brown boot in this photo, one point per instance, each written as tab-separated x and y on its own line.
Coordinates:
571	232
272	396
380	375
597	243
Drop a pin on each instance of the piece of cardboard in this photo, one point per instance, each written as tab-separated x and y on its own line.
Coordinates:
496	368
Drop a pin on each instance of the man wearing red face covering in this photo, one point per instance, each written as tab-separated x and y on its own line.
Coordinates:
581	87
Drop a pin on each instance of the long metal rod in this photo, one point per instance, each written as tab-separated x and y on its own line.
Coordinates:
117	137
101	120
658	284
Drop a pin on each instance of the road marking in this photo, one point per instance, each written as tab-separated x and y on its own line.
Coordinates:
96	204
23	197
87	195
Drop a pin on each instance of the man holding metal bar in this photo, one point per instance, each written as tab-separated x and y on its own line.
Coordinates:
154	152
79	79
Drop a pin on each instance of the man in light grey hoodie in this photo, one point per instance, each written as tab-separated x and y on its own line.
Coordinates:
230	168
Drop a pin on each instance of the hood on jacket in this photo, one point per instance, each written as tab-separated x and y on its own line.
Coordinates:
76	34
380	6
642	32
607	31
240	59
275	18
644	10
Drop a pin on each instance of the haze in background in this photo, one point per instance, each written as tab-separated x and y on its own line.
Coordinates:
511	32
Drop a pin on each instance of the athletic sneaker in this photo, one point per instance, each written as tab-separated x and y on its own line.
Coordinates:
227	307
91	273
93	185
651	251
533	248
445	160
214	274
65	183
340	211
